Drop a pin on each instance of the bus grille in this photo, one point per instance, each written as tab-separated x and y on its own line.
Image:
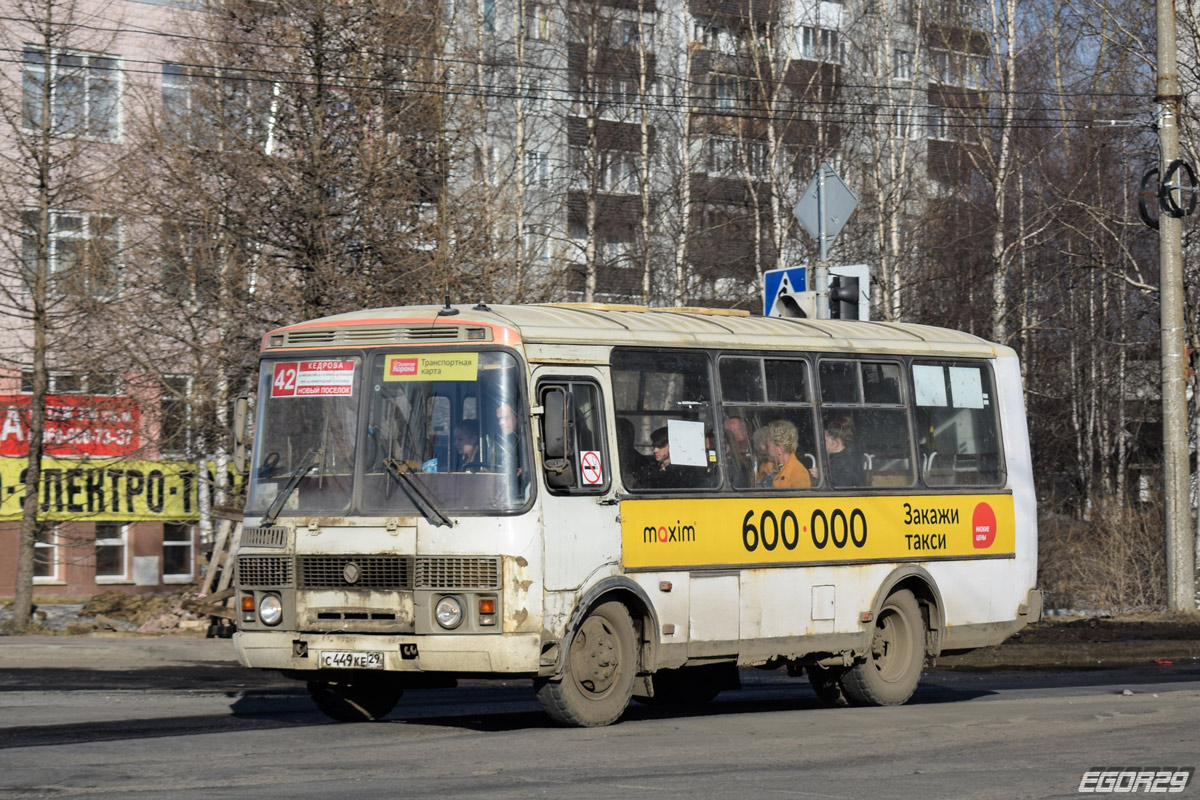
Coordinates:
354	572
264	571
458	572
275	536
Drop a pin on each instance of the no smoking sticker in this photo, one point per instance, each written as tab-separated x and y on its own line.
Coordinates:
590	468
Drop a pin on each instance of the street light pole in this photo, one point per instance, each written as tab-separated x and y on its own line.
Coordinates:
1180	550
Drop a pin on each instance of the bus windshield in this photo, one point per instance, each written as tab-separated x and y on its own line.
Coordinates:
354	435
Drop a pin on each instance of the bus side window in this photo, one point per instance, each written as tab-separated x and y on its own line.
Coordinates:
866	438
671	394
756	393
960	439
587	468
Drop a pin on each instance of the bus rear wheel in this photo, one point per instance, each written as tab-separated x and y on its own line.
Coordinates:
597	682
889	675
354	701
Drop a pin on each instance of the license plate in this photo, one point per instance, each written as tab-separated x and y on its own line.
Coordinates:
345	659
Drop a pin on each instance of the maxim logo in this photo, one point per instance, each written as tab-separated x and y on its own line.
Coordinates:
669	533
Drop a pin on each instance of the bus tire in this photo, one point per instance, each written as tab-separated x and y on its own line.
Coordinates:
350	701
598	676
889	674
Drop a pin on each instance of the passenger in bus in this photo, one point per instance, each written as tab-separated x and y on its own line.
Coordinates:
507	448
845	462
781	445
466	448
633	464
763	456
739	460
661	473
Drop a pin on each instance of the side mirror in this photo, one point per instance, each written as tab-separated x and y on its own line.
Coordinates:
556	438
241	443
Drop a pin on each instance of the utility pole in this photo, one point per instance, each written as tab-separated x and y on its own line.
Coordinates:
1180	549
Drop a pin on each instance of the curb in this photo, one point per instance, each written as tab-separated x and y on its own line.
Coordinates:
1077	655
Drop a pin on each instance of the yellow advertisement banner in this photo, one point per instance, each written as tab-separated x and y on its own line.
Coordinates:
432	367
702	532
107	490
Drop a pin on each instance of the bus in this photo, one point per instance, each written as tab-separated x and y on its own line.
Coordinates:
621	502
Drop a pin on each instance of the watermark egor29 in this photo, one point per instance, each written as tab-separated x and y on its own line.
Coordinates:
1128	780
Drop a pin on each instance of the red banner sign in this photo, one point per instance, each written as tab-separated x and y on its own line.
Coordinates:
76	425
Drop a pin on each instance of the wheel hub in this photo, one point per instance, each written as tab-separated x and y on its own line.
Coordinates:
595	656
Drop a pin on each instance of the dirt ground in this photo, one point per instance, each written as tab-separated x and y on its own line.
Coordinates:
1140	626
113	611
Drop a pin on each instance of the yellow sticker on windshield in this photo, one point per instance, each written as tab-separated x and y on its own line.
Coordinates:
431	367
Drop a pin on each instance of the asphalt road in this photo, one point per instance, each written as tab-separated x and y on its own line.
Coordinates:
208	729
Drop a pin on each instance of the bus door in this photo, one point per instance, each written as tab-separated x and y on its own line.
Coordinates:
578	517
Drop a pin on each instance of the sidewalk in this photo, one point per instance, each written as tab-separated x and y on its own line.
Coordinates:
114	652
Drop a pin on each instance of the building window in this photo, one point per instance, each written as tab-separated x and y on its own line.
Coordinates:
537	21
902	65
174	419
189	255
531	95
622	94
177	553
820	44
618	172
46	557
82	253
106	383
112	550
489	16
959	69
84	91
729	157
939	124
725	92
906	124
537	170
537	243
209	108
623	34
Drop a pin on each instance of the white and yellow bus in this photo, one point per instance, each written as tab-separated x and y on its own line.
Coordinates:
622	502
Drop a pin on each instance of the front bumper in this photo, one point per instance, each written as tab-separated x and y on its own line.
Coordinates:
506	654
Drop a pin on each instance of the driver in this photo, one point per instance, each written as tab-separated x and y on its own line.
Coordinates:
466	445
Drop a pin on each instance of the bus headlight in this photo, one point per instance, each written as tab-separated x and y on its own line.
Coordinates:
270	609
448	612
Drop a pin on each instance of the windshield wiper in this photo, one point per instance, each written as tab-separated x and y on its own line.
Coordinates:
306	463
416	492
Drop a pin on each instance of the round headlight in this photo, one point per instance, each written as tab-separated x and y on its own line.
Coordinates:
270	609
449	612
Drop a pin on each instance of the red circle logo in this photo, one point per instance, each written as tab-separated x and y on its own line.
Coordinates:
983	527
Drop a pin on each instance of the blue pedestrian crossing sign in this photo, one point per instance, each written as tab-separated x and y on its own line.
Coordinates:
780	283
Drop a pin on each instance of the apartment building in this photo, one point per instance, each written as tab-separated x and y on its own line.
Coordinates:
656	150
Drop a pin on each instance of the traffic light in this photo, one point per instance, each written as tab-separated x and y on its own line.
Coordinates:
843	297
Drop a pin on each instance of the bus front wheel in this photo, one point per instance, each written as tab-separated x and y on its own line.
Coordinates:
597	682
893	665
351	701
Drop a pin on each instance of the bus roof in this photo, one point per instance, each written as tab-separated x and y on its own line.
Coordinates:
611	325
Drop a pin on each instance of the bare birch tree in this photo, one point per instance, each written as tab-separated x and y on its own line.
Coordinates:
59	106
